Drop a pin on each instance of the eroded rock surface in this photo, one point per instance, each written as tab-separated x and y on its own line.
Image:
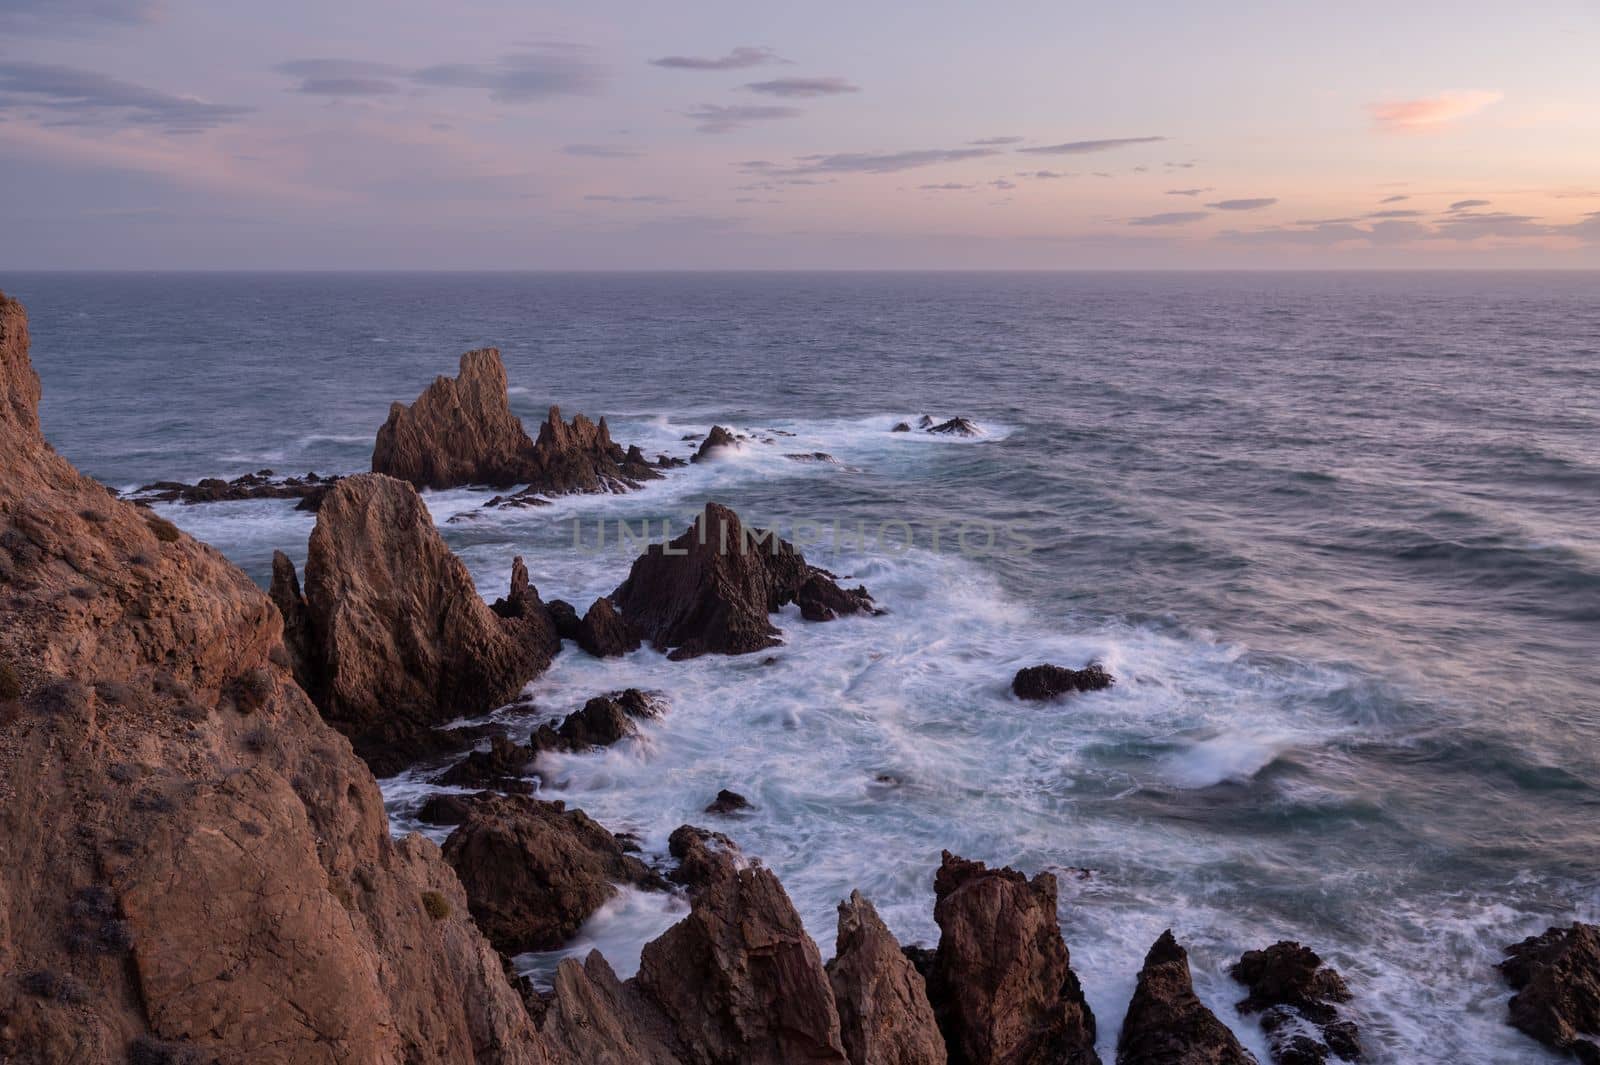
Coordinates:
712	589
1557	979
263	484
215	878
1167	1024
603	633
1298	998
716	440
1001	982
1049	682
390	636
884	1014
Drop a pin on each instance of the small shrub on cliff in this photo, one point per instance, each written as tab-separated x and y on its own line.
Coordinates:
148	1050
257	740
437	905
10	683
57	987
164	530
250	690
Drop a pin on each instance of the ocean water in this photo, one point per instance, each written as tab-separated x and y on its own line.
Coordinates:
1337	535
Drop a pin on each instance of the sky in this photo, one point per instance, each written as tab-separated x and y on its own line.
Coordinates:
215	134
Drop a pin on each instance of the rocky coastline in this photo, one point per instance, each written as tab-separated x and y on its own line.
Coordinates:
213	878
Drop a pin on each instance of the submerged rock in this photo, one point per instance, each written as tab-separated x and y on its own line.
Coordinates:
1001	982
1298	998
503	767
955	427
534	871
727	802
263	484
884	1014
716	440
1048	682
1167	1024
390	637
712	588
1556	977
900	427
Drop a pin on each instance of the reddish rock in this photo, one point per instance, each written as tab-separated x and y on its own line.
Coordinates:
1167	1024
1048	682
712	588
602	722
1298	999
884	1014
716	440
263	484
596	1019
738	979
1002	983
603	633
393	638
1556	977
534	871
727	802
954	427
174	809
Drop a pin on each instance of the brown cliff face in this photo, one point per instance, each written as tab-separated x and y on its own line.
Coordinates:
459	431
1167	1024
1557	980
884	1014
1002	984
190	859
710	590
391	636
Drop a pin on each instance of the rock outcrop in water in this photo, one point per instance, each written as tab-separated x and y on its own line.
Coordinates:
884	1014
1001	982
717	439
197	868
534	871
1556	977
603	633
263	484
711	590
1167	1024
461	431
390	637
1049	682
1298	998
955	427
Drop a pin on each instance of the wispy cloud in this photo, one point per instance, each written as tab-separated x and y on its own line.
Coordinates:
1466	205
1187	192
803	87
76	97
522	76
740	58
1401	213
1002	184
341	77
948	186
74	18
1430	112
1394	199
872	162
1168	218
1044	175
648	198
717	118
1255	204
602	151
996	142
1088	147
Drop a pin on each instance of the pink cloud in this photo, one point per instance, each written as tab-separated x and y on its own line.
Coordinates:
1431	112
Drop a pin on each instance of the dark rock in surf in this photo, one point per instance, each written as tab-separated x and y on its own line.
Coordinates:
444	809
602	722
812	456
503	767
727	802
956	427
1298	998
1048	682
900	427
603	632
711	589
926	422
716	440
534	871
262	484
564	616
1556	977
1167	1024
884	1014
1001	982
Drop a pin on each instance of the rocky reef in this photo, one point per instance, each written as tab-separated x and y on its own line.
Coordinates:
263	484
1556	977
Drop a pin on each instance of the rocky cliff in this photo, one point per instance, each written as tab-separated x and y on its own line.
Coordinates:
193	866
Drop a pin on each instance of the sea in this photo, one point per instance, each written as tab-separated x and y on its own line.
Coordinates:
1337	536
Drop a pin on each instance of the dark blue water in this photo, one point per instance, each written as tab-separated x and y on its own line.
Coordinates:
1339	534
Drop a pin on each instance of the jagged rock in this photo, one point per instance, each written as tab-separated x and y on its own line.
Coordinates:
533	871
884	1014
1002	983
926	422
1556	977
597	1019
820	599
900	427
262	484
564	616
603	632
712	588
1297	997
1047	681
398	639
445	809
727	802
602	722
955	427
702	855
738	979
238	899
715	441
581	457
670	462
503	767
1167	1024
460	431
812	456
